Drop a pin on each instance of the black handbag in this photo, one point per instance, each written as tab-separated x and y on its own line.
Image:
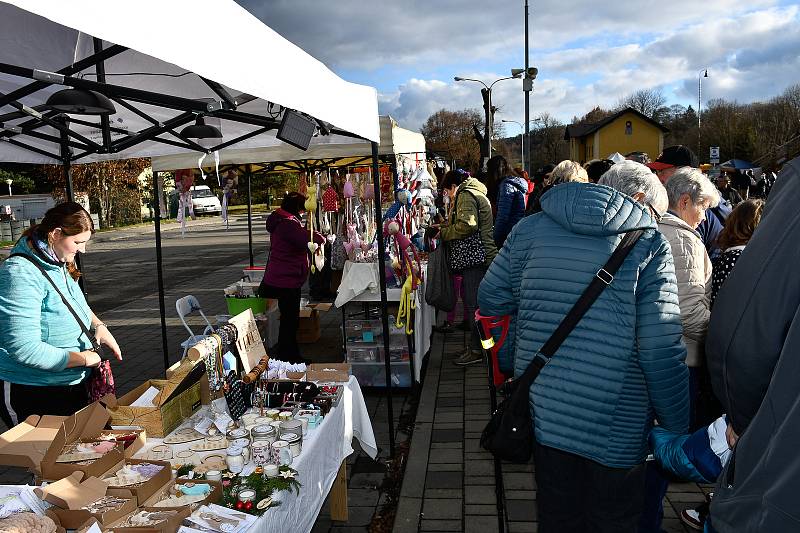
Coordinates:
509	434
468	252
439	290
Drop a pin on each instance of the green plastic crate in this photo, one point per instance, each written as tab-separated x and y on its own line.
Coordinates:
239	305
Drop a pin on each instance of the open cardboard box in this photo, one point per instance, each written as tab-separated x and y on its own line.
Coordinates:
70	494
168	526
308	328
142	491
84	425
179	397
27	443
329	372
213	497
137	444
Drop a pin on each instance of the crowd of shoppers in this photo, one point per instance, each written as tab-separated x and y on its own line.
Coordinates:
650	352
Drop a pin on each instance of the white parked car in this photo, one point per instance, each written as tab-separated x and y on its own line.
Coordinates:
204	201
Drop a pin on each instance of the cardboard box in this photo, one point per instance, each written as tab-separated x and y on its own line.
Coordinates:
168	526
179	397
84	425
308	330
70	494
145	490
214	496
335	372
136	445
27	443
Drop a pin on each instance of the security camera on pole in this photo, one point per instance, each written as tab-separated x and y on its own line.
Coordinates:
528	74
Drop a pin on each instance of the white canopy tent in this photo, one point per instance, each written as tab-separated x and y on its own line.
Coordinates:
164	54
394	140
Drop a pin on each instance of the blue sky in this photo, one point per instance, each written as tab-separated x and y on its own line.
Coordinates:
588	53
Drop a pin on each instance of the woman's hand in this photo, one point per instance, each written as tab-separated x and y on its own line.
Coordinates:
731	436
103	336
86	358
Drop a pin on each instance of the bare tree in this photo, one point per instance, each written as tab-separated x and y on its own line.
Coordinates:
451	133
650	102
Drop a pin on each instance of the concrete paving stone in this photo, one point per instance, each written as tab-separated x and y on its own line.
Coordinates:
450	402
454	394
477	417
480	509
684	487
455	409
448	418
515	494
443	493
366	481
362	497
673	525
517	467
480	495
472	445
474	426
479	456
349	529
670	512
445	456
520	481
447	435
408	514
445	467
686	497
523	527
448	425
450	387
480	524
358	516
479	480
521	510
479	468
440	525
446	445
442	509
444	480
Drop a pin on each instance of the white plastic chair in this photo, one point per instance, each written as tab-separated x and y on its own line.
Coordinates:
186	306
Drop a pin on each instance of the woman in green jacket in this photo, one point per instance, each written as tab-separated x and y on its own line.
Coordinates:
45	357
471	214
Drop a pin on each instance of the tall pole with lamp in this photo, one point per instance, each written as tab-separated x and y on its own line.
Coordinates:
527	85
700	75
487	104
522	139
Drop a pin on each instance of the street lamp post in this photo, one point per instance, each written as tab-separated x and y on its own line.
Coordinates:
487	94
700	75
521	138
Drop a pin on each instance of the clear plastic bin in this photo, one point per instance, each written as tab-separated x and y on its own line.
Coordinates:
374	374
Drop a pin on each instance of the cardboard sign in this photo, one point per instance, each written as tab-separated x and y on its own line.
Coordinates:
248	342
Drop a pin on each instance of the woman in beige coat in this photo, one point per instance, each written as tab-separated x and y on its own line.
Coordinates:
690	194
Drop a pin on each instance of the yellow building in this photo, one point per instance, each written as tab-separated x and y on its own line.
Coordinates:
624	132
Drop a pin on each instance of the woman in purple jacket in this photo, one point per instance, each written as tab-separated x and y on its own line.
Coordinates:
287	270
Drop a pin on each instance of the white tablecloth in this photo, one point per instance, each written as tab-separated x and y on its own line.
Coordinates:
360	283
324	449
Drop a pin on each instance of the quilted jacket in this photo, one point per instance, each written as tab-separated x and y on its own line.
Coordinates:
624	362
472	213
693	270
510	207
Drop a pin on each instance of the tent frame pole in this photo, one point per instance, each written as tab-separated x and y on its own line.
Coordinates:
160	268
250	215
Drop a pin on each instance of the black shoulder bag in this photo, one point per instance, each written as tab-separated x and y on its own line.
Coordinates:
101	381
509	434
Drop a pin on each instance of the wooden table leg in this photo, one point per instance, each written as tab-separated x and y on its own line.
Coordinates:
338	496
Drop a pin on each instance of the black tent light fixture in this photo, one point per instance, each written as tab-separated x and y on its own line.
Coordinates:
81	102
201	130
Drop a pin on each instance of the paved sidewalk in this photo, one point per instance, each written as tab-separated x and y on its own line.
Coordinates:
449	480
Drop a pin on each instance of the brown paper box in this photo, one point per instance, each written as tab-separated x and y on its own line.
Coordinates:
86	424
180	397
214	496
144	490
137	444
169	526
336	372
27	443
68	495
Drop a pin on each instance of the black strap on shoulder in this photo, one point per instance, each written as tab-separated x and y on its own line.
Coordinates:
601	280
63	298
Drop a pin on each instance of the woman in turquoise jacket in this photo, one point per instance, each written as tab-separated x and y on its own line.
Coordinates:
595	401
45	357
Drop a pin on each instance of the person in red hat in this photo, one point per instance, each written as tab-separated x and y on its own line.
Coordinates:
671	159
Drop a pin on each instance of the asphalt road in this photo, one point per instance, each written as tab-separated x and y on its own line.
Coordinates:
120	267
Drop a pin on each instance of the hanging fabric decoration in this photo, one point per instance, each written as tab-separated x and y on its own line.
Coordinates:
317	251
184	179
228	190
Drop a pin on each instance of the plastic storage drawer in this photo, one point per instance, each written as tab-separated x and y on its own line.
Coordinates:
374	374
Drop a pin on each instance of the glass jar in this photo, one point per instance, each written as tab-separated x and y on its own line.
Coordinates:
295	443
263	432
234	459
237	433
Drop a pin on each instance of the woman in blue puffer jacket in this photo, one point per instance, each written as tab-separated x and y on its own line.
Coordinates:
624	362
511	193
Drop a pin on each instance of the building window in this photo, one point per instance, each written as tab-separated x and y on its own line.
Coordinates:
628	128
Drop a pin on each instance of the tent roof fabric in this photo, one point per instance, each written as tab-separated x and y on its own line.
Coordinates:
393	140
166	58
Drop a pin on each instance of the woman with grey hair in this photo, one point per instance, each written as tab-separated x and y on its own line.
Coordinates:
690	194
638	182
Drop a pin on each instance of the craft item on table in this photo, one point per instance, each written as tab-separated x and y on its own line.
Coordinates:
290	426
262	452
187	493
212	443
277	393
238	395
281	454
256	372
264	482
213	461
160	452
237	433
105	504
148	518
183	457
85	451
12	501
278	369
183	435
271	470
244	445
133	474
295	442
249	420
234	459
214	475
27	523
272	414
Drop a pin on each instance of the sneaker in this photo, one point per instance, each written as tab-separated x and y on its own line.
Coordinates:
446	327
469	357
691	518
